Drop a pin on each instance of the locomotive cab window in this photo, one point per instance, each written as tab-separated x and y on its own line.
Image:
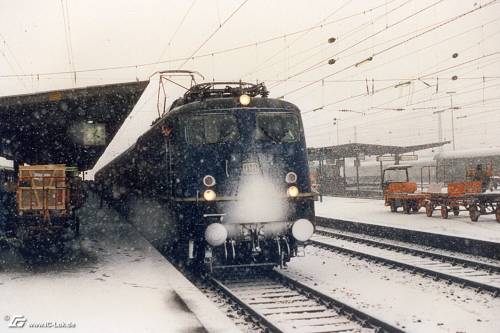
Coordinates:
211	128
277	127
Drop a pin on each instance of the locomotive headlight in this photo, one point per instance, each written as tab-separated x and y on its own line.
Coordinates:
208	181
244	100
209	195
302	230
292	191
215	234
291	177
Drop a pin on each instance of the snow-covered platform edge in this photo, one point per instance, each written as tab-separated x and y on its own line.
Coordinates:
212	318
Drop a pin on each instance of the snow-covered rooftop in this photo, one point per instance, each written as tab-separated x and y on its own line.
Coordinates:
467	153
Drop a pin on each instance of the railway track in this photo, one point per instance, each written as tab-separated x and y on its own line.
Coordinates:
466	272
280	304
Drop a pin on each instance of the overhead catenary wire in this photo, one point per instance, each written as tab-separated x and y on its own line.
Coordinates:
287	46
441	97
257	69
174	34
12	67
67	33
412	52
396	45
320	64
446	39
407	114
360	95
433	97
363	94
372	124
424	134
323	62
403	116
213	33
404	134
9	49
468	106
207	54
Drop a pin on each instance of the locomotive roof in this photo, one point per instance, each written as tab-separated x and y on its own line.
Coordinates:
233	102
226	95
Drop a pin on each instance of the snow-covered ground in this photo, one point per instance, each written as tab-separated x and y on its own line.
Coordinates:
113	281
411	302
373	211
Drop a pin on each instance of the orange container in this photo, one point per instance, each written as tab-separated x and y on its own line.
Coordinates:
459	189
402	187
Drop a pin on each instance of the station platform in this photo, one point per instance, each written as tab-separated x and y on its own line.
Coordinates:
111	280
373	212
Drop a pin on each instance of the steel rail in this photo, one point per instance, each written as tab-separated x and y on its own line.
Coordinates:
330	304
495	290
407	249
342	307
256	314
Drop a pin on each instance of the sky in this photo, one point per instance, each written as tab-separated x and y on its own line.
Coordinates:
395	62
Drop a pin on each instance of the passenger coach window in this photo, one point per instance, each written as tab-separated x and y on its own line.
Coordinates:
277	127
213	128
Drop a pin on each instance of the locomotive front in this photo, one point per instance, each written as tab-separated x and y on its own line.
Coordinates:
245	198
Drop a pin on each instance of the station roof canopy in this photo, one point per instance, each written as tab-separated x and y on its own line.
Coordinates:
355	149
72	126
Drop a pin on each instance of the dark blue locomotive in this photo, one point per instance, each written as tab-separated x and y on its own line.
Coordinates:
221	179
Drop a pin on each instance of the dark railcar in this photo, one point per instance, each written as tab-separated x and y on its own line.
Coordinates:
7	202
222	178
38	208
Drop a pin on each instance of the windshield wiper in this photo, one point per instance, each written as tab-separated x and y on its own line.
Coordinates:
270	136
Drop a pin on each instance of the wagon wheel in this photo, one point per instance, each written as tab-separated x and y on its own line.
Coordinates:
394	208
474	213
416	207
429	209
444	212
456	210
406	208
497	213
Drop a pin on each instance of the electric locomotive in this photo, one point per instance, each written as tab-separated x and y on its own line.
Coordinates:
222	178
